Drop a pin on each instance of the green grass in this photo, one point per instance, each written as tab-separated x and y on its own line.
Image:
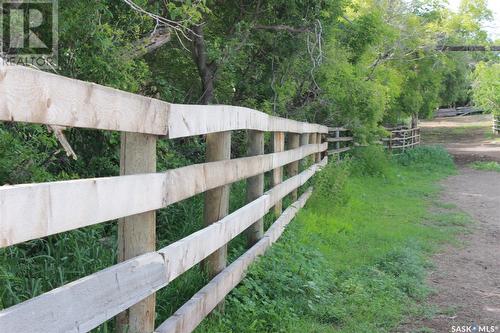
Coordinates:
354	266
352	261
488	166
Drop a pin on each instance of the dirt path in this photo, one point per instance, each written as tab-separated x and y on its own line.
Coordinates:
468	138
466	279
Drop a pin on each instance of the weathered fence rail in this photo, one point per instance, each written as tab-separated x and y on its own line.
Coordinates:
30	211
401	138
496	124
340	142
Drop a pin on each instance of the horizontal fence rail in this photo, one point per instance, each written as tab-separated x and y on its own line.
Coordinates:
200	305
37	210
401	139
33	96
31	211
338	137
86	303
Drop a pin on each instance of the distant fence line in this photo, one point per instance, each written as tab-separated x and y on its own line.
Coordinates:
31	211
400	139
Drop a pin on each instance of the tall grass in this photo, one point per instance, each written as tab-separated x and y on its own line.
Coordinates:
352	259
354	265
486	166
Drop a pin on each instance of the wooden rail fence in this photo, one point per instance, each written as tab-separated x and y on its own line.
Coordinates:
496	124
339	139
31	211
401	139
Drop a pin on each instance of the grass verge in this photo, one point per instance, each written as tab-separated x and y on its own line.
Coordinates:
487	166
354	260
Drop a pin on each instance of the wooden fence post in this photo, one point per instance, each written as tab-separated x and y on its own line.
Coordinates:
304	140
218	147
314	139
293	168
255	184
137	233
278	145
337	136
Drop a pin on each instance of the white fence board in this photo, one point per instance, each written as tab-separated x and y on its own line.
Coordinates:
84	304
37	210
33	96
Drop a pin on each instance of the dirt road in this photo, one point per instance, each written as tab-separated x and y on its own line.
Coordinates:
466	279
468	138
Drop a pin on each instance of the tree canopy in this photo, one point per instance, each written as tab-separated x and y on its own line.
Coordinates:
357	63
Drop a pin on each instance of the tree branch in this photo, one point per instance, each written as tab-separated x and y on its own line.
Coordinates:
281	27
150	43
467	48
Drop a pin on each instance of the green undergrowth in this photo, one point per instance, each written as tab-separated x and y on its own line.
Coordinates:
354	259
487	166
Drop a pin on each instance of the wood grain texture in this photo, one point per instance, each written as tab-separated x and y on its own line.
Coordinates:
86	303
293	168
255	184
278	146
190	315
37	210
188	120
29	95
137	233
340	139
216	201
304	141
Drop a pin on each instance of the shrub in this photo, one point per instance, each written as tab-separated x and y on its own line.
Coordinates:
430	158
371	161
330	183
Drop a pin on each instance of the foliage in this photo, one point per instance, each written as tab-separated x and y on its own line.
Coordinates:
355	267
371	161
486	88
488	166
362	64
426	158
330	183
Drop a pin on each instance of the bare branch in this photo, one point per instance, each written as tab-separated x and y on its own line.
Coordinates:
150	43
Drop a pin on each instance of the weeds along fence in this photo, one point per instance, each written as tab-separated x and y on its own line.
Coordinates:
496	124
32	211
400	139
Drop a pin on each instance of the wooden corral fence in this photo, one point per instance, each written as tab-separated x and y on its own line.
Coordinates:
127	289
339	139
401	139
496	124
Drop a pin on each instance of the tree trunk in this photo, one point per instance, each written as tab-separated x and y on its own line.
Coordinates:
205	70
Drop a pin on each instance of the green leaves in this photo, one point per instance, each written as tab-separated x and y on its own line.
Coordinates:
486	88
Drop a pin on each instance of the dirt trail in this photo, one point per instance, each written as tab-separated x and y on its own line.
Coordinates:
468	138
466	279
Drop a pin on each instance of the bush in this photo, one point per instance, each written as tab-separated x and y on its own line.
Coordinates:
371	161
330	183
430	158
